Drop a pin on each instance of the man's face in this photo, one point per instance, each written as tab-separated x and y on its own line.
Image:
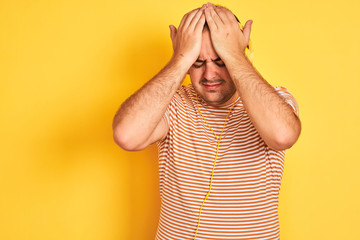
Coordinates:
209	76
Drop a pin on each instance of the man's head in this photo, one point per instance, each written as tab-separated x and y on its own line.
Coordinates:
209	75
193	42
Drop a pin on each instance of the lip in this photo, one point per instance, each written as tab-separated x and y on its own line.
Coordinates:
211	86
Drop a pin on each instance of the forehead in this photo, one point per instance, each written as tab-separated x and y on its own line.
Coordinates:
207	51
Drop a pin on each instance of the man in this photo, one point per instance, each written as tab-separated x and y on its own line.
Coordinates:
221	139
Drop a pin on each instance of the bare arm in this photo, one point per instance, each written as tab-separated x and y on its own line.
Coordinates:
273	118
139	121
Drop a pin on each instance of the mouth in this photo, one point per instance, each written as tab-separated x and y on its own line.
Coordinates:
211	85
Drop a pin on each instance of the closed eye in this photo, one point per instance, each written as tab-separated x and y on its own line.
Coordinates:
198	64
219	62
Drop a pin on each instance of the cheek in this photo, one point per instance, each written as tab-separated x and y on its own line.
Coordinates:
225	75
195	74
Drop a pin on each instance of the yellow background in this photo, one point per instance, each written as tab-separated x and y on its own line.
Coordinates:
66	66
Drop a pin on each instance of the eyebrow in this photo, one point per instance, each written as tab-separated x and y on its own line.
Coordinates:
213	60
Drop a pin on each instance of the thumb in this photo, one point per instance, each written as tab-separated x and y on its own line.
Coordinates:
172	32
247	30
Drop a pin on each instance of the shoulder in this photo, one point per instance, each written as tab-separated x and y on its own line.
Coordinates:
185	95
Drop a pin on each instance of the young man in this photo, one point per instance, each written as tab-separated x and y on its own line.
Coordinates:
221	139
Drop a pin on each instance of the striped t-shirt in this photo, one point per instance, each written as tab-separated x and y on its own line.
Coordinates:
243	202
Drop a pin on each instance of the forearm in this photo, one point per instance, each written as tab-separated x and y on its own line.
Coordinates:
273	118
139	115
138	121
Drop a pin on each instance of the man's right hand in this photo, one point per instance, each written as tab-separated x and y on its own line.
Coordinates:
186	39
140	121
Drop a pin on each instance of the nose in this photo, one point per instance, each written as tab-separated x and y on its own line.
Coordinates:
210	71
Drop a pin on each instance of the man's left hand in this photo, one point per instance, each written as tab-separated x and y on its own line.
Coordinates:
228	39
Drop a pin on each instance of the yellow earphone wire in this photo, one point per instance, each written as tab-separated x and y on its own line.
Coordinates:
217	150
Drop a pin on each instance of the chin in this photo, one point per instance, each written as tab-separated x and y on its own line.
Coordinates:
215	101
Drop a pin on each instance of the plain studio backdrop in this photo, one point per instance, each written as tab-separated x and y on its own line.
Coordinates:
66	66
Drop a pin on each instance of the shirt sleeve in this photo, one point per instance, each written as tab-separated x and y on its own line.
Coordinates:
170	114
289	98
166	119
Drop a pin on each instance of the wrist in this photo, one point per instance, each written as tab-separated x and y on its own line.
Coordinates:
181	62
239	59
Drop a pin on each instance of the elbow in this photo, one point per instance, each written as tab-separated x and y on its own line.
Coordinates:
286	139
282	143
125	141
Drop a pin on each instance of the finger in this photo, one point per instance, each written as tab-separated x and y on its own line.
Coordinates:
200	24
210	21
225	14
247	30
222	14
215	16
172	32
183	20
196	18
190	17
